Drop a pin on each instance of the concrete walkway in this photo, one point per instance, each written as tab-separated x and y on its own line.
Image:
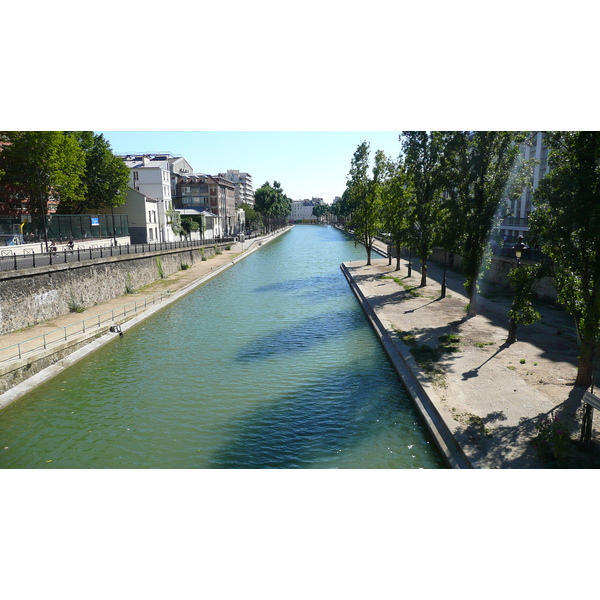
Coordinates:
488	395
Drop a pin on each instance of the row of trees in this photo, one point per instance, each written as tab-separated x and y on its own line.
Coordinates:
450	190
272	204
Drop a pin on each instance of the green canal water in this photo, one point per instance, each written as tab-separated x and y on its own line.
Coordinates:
272	364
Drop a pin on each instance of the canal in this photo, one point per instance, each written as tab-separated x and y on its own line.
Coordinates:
272	364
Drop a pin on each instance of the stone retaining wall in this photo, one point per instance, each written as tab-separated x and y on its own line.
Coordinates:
32	296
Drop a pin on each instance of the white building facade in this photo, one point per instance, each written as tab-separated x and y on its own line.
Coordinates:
151	176
518	222
302	211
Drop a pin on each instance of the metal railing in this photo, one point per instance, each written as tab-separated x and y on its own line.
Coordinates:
10	261
42	342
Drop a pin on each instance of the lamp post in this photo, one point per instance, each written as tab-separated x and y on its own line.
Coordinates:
519	247
512	330
443	294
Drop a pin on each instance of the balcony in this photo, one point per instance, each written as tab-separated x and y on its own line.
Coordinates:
515	222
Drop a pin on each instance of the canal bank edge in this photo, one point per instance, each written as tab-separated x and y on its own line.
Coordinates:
53	361
415	383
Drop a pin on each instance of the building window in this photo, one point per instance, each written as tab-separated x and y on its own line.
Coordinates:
136	175
151	233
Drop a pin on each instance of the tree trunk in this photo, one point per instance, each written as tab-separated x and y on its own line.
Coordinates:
423	272
397	257
368	255
443	294
472	293
512	332
585	368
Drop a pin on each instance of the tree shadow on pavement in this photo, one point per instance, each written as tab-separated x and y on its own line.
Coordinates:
475	372
511	447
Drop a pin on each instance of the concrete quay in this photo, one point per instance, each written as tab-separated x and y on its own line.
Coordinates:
483	399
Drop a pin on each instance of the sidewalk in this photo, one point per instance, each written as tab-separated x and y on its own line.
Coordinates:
489	394
178	284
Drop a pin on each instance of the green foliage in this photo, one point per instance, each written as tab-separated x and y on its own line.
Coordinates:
43	166
159	267
253	218
320	211
272	204
77	169
566	220
482	173
202	254
187	225
129	289
184	266
174	219
553	438
105	179
363	196
423	160
522	279
75	306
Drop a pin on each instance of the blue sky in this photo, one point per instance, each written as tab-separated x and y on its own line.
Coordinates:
307	164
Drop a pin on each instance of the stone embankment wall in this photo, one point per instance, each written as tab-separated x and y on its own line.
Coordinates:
498	273
32	296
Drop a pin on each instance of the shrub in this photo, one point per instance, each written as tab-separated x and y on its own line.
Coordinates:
552	439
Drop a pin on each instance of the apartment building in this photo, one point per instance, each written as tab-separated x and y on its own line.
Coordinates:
212	194
302	210
244	193
517	223
150	174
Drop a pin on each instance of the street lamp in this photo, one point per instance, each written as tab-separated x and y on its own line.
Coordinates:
519	247
512	329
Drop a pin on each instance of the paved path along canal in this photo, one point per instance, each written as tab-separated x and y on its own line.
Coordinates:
272	364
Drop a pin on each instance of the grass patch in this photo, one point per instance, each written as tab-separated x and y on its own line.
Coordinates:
159	268
184	266
129	289
74	306
412	291
427	357
483	344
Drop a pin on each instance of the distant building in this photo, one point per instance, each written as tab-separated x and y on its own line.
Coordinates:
302	211
518	222
244	193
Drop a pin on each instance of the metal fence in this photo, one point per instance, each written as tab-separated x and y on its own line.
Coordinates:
43	342
9	260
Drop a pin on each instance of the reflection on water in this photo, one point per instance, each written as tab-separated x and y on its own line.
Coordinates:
270	365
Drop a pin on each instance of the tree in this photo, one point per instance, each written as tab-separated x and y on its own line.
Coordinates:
105	180
272	204
423	153
482	174
46	166
253	218
320	211
187	226
566	219
363	194
396	194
